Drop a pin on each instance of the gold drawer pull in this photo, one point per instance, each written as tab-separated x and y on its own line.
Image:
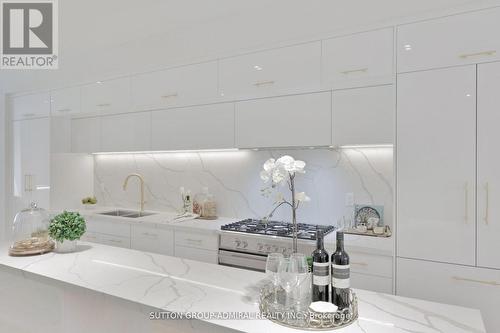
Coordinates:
149	234
490	283
263	83
170	95
352	71
478	54
28	115
194	240
103	105
487	199
359	264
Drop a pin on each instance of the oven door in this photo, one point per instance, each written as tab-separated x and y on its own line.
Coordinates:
253	262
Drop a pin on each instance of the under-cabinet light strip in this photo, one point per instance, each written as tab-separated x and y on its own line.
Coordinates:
167	151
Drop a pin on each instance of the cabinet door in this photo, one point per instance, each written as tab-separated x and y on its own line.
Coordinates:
358	60
106	97
488	163
152	240
453	284
202	127
185	85
30	106
299	120
126	132
269	73
453	40
66	101
436	165
363	116
196	254
31	162
86	135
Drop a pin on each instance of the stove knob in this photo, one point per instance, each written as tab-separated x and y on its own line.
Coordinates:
283	250
275	248
268	248
260	247
245	244
238	243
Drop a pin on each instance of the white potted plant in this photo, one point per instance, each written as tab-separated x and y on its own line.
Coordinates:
66	228
278	173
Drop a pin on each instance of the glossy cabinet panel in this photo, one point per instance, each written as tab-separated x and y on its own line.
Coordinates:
86	135
363	116
358	60
488	164
154	240
126	132
436	165
66	101
453	40
30	106
274	72
298	120
187	85
106	97
200	127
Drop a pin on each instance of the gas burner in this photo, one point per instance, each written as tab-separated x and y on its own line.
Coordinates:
276	228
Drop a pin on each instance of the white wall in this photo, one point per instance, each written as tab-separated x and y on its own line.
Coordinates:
3	163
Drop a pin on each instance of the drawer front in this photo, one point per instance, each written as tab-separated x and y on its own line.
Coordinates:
358	60
269	73
446	283
185	85
371	264
114	241
454	40
110	228
371	282
90	236
196	254
197	240
152	240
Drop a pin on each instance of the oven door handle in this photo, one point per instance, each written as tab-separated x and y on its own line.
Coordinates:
227	254
242	260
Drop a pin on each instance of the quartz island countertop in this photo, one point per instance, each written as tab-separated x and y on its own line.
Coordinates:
178	285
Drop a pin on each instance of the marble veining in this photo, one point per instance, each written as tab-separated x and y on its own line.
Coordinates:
233	177
173	284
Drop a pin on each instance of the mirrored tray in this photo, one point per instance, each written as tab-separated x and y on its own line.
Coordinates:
305	319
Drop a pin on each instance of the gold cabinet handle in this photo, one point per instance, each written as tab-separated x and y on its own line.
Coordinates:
263	83
487	203
64	110
466	202
477	54
364	264
352	71
490	283
170	95
101	105
28	115
194	240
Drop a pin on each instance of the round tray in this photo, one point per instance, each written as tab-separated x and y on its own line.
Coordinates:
308	319
31	249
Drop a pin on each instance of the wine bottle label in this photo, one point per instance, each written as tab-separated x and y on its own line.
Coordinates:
321	276
340	276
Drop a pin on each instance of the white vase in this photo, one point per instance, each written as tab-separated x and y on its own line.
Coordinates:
66	246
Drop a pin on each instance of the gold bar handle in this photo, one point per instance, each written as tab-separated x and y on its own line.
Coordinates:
466	202
353	71
26	183
477	54
170	95
359	264
264	83
101	105
487	202
64	110
489	283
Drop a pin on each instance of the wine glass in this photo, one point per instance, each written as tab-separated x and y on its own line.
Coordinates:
272	264
298	261
291	272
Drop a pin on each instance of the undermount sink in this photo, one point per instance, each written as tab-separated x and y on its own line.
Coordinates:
126	213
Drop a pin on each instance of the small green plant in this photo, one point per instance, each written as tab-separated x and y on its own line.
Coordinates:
89	201
67	226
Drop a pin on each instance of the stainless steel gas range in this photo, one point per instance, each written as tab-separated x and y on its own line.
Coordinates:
246	244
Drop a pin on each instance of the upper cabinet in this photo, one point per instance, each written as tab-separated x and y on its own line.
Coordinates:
449	41
66	101
363	116
297	120
358	60
107	97
30	106
126	132
200	127
269	73
187	85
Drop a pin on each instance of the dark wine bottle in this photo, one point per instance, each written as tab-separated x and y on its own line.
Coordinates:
340	275
320	271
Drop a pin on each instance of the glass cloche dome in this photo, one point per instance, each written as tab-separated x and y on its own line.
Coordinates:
30	232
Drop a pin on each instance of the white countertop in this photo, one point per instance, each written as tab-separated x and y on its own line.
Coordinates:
175	284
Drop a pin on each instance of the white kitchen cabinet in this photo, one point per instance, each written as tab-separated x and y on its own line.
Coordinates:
104	226
297	120
200	127
86	135
126	132
453	284
196	254
106	97
186	85
453	40
151	239
286	70
197	245
436	165
30	106
371	282
66	101
358	60
363	116
488	164
31	162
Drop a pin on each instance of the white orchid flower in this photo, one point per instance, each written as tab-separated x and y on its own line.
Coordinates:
269	165
265	176
302	197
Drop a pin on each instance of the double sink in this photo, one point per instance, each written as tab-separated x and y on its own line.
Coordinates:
126	213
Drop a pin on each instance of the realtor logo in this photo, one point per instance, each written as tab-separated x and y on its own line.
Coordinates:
29	34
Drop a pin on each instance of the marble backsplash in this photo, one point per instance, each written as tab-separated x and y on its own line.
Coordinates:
233	177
